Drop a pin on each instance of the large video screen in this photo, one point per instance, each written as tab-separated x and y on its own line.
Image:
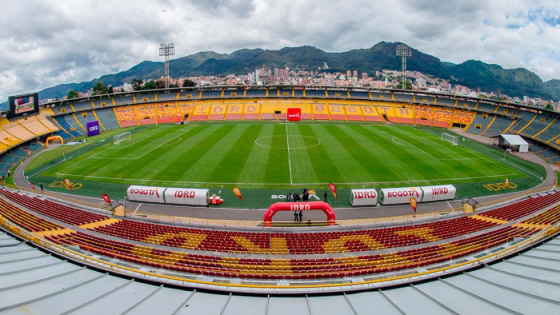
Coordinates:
24	105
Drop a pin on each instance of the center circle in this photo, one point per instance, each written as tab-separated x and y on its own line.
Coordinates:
292	142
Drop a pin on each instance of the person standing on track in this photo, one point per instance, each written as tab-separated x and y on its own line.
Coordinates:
295	216
325	196
300	215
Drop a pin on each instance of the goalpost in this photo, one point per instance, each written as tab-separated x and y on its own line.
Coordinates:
450	138
122	137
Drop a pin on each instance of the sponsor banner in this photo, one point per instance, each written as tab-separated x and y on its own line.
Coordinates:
186	196
364	197
146	194
391	196
294	114
92	128
435	193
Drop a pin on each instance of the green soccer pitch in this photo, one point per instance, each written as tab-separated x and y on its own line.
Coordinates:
266	156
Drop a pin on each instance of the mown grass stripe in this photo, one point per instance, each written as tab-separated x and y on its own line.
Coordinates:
325	169
302	164
278	168
409	160
256	164
472	167
233	162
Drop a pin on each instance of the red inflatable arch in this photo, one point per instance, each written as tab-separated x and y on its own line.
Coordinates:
304	206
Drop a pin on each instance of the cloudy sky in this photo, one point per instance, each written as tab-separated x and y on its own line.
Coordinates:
46	43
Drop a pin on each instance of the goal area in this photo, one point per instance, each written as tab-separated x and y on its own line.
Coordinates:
120	138
449	138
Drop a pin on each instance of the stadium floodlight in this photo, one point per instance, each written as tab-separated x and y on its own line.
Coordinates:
404	51
166	50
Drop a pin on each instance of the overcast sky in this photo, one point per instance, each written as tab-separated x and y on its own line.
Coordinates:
46	43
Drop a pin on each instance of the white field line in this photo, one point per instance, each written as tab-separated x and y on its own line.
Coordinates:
46	169
58	173
147	152
281	184
289	159
410	144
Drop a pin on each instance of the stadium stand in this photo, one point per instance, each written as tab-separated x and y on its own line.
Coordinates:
551	132
184	110
337	111
255	93
85	117
424	115
217	112
480	122
234	109
442	117
62	109
466	104
337	94
166	111
126	115
252	111
445	101
354	113
359	95
462	117
146	114
539	124
46	120
315	93
122	100
526	120
297	93
74	125
104	102
84	105
485	107
320	111
498	127
404	113
379	96
424	99
66	127
32	124
285	93
201	111
168	97
403	98
107	118
146	98
213	94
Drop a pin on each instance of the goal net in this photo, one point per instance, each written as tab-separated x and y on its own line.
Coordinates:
450	138
120	138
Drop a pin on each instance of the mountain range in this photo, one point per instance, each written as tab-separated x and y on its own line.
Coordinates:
472	73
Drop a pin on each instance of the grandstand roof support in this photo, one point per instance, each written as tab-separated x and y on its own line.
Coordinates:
167	50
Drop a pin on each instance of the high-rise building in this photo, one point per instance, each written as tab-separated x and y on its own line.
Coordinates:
276	72
355	74
269	72
348	74
364	75
325	65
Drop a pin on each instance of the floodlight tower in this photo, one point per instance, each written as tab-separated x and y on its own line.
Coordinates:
167	50
403	51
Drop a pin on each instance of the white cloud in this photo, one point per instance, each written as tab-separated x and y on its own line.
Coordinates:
45	43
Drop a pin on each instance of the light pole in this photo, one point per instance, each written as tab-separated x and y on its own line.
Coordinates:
403	51
167	50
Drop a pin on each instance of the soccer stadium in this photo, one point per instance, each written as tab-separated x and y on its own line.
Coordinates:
278	199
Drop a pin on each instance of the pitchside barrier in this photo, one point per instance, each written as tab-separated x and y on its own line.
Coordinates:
364	197
393	196
168	195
